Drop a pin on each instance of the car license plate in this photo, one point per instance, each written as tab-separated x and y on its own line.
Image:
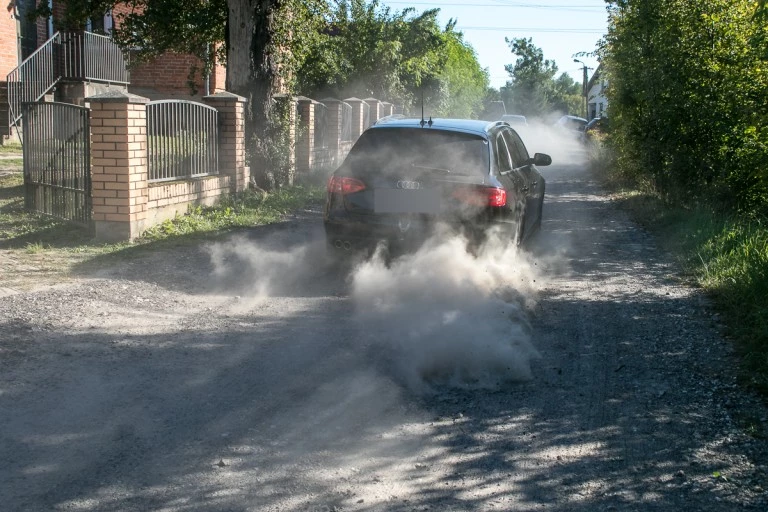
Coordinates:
394	200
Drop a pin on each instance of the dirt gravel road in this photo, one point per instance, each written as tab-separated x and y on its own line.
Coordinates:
253	375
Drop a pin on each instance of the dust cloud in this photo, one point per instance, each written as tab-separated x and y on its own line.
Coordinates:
440	316
565	146
444	316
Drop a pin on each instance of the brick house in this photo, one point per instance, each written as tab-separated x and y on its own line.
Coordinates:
26	59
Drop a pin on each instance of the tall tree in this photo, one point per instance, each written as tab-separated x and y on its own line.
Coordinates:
688	88
370	50
534	89
466	81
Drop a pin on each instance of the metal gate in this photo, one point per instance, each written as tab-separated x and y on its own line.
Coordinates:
57	174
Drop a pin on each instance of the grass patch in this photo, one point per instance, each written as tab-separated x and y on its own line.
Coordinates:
10	148
20	228
246	209
11	164
728	257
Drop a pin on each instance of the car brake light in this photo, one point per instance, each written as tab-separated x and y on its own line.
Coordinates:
480	197
344	186
497	197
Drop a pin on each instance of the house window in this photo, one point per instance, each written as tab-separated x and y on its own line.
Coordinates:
101	25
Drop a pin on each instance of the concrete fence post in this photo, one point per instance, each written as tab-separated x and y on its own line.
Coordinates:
231	114
119	170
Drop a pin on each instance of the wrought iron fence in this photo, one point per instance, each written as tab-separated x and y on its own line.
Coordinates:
182	140
57	174
346	122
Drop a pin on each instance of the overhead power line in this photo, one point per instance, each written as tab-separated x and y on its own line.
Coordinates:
539	29
573	8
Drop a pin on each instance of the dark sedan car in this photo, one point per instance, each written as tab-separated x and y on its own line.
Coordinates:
405	176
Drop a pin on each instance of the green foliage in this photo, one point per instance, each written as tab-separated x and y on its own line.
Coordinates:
466	82
535	89
367	50
688	82
273	149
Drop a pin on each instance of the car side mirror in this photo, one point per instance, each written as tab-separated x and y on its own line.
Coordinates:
541	160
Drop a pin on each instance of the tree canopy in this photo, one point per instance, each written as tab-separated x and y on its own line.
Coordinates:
688	82
534	88
370	50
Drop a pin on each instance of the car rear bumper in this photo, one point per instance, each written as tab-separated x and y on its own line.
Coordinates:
406	233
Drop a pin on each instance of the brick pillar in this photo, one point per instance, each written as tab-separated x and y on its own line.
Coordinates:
305	144
119	185
375	109
334	123
231	109
387	109
357	117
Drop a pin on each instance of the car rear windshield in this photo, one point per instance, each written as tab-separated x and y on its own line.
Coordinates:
392	150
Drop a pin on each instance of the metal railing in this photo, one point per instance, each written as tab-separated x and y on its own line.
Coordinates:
182	140
89	56
33	78
66	55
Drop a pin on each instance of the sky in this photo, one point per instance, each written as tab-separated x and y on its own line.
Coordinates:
561	28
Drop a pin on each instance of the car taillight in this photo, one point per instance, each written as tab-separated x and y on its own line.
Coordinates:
497	196
480	197
341	185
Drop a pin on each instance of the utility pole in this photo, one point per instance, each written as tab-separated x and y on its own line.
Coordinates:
584	91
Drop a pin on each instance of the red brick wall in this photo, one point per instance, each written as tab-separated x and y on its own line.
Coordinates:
9	57
120	10
169	73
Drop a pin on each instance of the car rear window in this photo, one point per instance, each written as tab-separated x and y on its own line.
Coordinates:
385	150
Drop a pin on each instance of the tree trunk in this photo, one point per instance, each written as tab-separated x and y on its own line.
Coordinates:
252	70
